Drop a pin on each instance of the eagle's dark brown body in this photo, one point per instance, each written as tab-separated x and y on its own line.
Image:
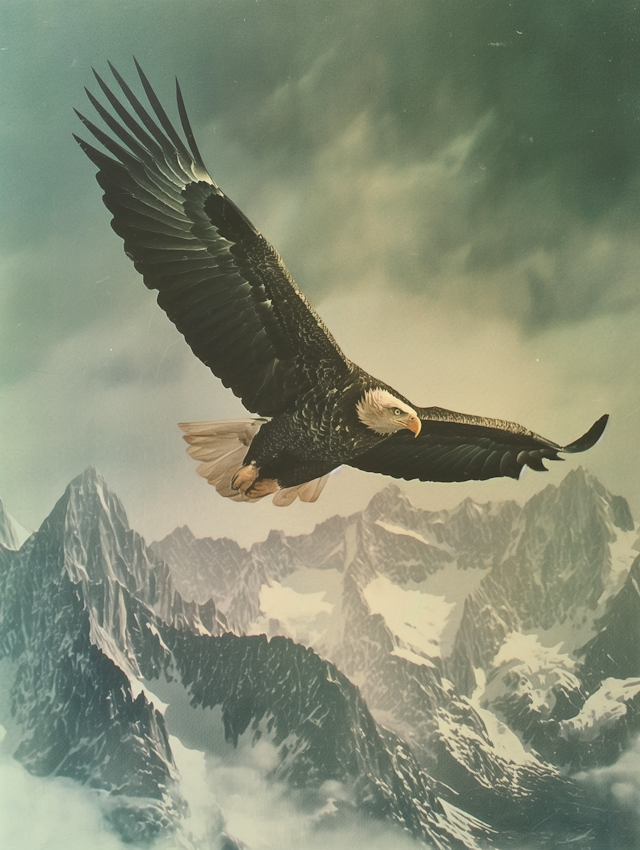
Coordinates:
230	295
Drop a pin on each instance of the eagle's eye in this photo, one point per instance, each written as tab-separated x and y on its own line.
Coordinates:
397	411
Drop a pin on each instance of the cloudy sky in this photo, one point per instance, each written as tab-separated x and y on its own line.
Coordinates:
454	185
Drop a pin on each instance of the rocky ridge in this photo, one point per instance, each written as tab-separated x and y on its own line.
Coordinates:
105	652
501	608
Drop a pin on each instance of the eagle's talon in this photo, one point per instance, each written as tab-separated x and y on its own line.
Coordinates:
244	478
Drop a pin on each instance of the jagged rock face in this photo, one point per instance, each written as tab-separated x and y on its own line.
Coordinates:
408	692
500	573
473	535
318	722
74	705
578	713
615	650
87	615
392	539
102	551
198	566
562	559
606	724
554	576
449	622
202	568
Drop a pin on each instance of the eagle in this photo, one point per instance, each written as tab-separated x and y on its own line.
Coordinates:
230	295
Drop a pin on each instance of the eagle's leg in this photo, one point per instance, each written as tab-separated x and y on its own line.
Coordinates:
245	477
248	482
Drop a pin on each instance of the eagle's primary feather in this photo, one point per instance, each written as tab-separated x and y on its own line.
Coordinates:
230	295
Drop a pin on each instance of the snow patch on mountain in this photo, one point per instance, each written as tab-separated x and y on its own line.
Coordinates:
464	824
524	668
417	619
12	534
291	607
505	742
462	740
413	657
539	658
454	585
603	708
300	606
108	645
205	821
397	529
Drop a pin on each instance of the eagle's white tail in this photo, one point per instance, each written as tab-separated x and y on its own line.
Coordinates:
222	446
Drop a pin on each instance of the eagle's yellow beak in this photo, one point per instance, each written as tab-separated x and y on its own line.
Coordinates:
414	425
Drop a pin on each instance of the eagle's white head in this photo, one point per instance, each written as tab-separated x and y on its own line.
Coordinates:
385	414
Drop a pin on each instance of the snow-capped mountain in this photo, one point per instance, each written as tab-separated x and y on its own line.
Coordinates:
570	550
12	534
67	600
110	670
474	634
467	676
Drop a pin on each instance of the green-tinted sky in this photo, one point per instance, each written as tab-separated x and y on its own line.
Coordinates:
453	184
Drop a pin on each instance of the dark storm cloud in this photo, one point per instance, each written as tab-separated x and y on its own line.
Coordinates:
543	99
550	93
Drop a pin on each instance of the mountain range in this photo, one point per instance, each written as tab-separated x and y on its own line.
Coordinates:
466	677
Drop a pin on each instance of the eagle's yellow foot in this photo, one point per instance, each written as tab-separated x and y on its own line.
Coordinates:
244	478
261	488
247	482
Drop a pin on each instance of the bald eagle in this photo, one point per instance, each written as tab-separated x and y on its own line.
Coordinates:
231	297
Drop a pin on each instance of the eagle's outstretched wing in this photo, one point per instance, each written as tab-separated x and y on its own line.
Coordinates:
457	447
219	281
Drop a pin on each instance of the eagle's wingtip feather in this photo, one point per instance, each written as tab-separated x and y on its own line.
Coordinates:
588	440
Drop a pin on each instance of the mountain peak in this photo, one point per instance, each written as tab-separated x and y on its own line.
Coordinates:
579	484
181	535
390	498
468	506
88	481
580	477
90	489
12	534
102	554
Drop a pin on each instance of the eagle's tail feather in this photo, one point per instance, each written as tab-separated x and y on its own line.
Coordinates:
222	446
307	492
